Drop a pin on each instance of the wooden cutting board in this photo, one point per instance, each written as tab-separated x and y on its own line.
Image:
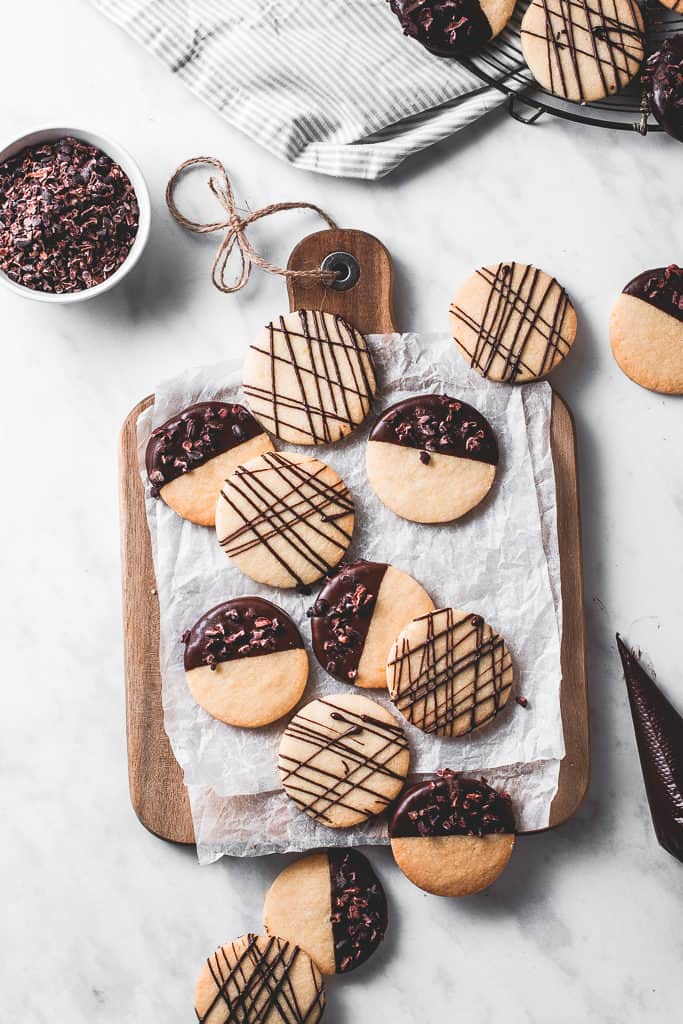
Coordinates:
157	792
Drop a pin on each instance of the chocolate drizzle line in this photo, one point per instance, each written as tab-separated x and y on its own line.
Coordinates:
662	288
564	28
359	908
659	734
447	28
438	424
195	436
451	805
308	505
242	628
442	683
317	790
320	392
260	985
513	292
341	616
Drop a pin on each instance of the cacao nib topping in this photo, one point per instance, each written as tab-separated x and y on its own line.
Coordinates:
662	288
68	216
242	628
359	908
663	80
438	424
447	28
193	437
451	805
340	618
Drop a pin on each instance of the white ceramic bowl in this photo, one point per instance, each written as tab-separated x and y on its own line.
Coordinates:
126	162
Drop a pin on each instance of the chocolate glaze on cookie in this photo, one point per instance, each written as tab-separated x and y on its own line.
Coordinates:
359	908
662	287
340	617
194	436
447	28
451	805
663	75
242	628
659	734
438	424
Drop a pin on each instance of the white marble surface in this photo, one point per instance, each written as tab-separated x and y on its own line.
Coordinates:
103	922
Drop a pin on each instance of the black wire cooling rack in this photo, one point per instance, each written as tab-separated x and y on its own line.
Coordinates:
502	65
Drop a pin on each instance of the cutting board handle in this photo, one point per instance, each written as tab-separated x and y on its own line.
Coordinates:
367	303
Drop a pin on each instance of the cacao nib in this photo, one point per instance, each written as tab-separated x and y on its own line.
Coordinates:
454	805
68	216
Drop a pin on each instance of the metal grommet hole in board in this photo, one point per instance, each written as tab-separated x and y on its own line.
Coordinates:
345	266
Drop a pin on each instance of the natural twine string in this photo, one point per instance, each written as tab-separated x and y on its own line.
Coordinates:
235	226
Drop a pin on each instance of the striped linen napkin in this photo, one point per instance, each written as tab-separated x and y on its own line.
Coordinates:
328	85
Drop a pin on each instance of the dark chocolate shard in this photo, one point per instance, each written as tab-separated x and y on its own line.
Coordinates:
358	908
659	735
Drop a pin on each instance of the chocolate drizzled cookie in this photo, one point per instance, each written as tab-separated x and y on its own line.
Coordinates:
449	673
309	377
512	322
259	978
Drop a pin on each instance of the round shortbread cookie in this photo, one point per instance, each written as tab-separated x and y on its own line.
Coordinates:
512	322
284	519
357	616
343	759
455	28
332	905
245	662
583	50
452	836
449	673
309	377
189	456
646	330
431	458
259	979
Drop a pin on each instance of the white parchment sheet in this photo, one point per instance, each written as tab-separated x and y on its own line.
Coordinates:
501	561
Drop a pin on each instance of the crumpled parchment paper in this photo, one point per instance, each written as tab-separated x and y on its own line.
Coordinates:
501	561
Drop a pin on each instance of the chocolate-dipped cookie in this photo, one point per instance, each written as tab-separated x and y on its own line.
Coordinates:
259	979
449	673
452	28
284	519
512	322
343	759
583	50
245	662
357	615
646	330
332	905
663	77
431	458
451	835
309	377
189	456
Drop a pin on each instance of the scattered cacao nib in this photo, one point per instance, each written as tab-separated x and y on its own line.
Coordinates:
453	805
68	216
522	701
242	628
358	908
662	77
340	617
438	424
193	437
662	288
447	28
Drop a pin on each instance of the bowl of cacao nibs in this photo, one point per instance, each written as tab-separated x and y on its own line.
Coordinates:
74	215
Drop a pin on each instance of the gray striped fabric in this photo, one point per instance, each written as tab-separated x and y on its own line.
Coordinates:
329	85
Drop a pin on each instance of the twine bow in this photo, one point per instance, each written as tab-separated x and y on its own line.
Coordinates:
235	227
